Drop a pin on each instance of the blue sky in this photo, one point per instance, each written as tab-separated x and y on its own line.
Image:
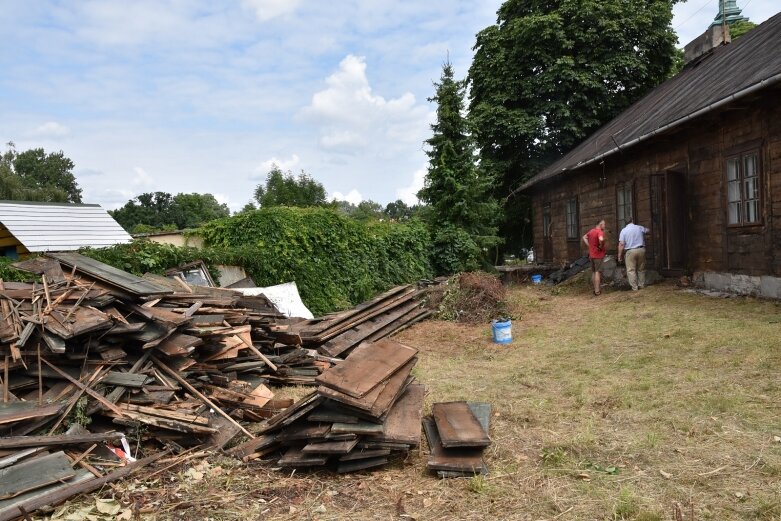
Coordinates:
203	96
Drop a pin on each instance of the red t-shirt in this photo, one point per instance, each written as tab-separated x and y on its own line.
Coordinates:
595	249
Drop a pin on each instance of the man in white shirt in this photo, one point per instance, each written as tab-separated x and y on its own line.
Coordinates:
632	241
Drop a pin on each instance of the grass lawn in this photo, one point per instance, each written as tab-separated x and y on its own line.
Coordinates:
644	405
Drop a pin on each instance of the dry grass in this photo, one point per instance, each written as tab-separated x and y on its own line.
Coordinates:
627	406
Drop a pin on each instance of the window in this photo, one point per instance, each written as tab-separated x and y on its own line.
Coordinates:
743	188
546	221
624	205
572	219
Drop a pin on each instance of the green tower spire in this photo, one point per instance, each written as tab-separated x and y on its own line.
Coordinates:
729	11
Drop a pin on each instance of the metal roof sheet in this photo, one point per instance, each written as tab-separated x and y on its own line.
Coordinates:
44	227
753	62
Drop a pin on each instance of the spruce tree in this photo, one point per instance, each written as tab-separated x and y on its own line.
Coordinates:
460	209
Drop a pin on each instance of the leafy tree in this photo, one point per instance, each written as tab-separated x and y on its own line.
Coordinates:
162	211
549	73
456	191
285	189
398	210
366	210
34	175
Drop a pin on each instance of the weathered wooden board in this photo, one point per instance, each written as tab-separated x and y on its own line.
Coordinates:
357	428
403	422
458	426
132	380
117	278
15	411
179	345
468	460
365	454
295	457
35	473
360	464
367	366
295	411
9	508
330	447
17	442
380	399
304	431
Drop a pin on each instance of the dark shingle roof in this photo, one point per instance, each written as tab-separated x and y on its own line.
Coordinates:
750	63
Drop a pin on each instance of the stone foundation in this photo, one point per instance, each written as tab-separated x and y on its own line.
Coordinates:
761	286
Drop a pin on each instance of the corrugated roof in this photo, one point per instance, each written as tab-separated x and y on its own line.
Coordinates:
750	63
60	226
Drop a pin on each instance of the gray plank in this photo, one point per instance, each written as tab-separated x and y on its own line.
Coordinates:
35	473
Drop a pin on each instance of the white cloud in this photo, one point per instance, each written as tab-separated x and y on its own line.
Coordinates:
350	116
265	10
50	129
409	194
353	196
283	164
142	178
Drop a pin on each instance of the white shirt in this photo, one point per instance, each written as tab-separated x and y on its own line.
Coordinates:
632	236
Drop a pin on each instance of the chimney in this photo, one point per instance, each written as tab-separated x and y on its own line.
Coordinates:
718	32
714	36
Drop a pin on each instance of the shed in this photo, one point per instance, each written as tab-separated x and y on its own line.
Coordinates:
697	160
32	227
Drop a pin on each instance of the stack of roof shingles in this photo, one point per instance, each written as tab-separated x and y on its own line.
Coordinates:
457	434
183	366
364	409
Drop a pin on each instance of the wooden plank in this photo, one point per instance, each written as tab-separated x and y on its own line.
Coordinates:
35	473
132	380
360	464
330	447
357	428
379	400
12	412
252	446
18	442
403	422
19	455
304	431
61	494
302	407
469	460
179	344
365	454
366	367
295	457
114	277
458	426
353	337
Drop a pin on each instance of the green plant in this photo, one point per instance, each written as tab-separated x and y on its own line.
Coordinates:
78	415
553	456
626	506
478	484
8	273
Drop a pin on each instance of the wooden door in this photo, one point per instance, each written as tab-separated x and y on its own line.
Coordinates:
668	222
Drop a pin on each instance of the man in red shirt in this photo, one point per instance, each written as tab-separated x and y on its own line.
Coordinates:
595	240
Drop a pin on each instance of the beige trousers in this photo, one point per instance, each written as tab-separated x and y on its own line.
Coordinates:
635	267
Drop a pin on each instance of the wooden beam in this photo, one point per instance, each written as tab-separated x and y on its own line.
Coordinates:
19	442
198	394
84	388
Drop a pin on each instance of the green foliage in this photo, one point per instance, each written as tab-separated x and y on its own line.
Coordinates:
336	261
547	74
161	211
456	191
34	175
285	189
10	274
739	28
455	250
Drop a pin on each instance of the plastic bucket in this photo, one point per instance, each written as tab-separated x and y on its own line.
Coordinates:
501	331
536	279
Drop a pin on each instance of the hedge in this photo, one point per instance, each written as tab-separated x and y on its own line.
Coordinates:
336	261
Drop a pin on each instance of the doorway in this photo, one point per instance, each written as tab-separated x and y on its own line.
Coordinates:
669	222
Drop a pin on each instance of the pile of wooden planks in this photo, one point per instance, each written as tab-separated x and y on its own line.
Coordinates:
365	409
457	434
88	350
337	334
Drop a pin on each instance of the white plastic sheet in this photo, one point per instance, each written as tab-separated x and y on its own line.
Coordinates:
284	296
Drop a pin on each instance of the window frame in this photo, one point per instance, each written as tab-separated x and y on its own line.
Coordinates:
547	216
575	236
626	187
740	155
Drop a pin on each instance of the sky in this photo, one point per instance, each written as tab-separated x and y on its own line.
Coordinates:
204	96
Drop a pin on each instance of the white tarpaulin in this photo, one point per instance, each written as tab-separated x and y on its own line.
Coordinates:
284	296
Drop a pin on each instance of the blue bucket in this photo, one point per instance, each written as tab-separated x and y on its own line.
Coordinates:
501	331
536	279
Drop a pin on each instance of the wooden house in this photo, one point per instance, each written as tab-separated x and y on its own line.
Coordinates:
697	160
30	227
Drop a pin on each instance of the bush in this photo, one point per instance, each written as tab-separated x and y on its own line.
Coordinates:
11	274
336	261
455	251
